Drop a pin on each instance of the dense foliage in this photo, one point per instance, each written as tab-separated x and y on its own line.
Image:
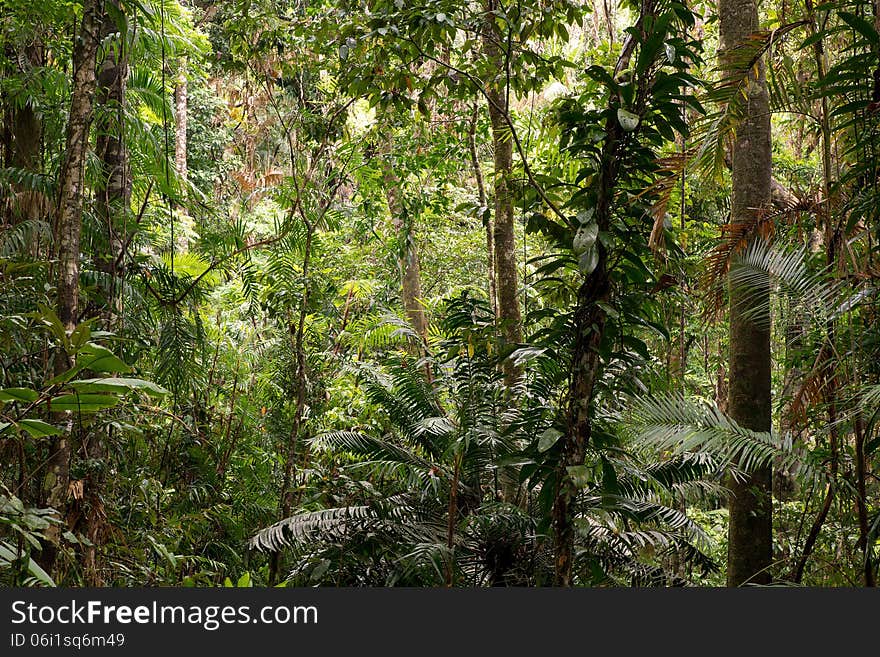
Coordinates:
436	294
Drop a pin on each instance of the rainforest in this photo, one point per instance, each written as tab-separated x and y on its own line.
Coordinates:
447	293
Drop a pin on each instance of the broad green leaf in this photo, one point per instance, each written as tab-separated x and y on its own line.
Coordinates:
9	555
100	359
38	428
25	395
586	216
588	260
549	438
85	403
117	384
92	357
580	475
628	120
80	335
585	238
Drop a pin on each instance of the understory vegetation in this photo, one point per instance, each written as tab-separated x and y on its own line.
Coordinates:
451	293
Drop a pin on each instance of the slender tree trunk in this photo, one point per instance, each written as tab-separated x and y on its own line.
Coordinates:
408	255
451	520
285	505
830	397
68	223
508	313
486	214
750	533
784	482
180	121
589	327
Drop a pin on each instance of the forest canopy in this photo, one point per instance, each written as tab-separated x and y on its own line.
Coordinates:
449	293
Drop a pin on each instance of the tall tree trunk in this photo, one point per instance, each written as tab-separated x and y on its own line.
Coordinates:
23	135
113	191
68	224
589	328
180	121
508	312
485	214
113	194
408	255
750	532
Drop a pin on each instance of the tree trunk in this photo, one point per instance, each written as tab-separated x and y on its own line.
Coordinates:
113	194
750	531
181	119
180	122
508	312
24	131
68	223
485	214
589	326
113	191
408	255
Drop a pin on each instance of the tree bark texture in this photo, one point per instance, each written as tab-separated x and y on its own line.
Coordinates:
408	255
750	539
506	279
180	122
113	194
113	190
486	216
67	228
23	135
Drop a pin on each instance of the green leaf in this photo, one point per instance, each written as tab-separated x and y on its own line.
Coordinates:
8	555
628	120
83	403
549	438
117	384
92	357
38	428
19	395
861	26
100	359
585	238
70	536
588	260
580	475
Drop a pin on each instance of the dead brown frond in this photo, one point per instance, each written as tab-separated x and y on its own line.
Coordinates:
812	388
735	237
668	173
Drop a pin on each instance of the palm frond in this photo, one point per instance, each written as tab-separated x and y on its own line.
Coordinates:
672	422
763	267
